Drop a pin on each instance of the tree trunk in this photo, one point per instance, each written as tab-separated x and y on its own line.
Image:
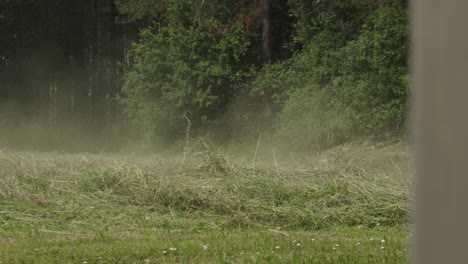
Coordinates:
266	30
267	55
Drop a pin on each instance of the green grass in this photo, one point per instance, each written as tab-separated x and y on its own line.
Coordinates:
337	245
76	208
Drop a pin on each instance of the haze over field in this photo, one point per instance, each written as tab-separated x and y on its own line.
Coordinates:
203	131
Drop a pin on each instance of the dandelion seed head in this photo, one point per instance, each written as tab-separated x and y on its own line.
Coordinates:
382	241
277	247
382	248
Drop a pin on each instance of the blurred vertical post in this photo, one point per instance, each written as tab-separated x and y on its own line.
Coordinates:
440	121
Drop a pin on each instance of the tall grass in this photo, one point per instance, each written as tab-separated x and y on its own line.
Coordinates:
349	185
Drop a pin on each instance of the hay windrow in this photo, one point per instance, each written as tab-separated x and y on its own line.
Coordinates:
348	185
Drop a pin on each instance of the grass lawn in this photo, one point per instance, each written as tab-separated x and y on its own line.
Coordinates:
335	245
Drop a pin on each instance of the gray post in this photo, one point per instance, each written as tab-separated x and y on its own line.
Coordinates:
440	119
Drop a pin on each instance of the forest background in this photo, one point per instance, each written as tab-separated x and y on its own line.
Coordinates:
109	75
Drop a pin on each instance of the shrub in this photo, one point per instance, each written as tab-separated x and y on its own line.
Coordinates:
188	68
334	89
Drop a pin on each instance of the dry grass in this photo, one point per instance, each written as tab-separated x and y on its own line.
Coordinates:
333	207
349	185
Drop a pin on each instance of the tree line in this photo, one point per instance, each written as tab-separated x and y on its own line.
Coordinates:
311	72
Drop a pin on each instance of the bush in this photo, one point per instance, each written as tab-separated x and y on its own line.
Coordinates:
335	89
348	75
184	68
373	77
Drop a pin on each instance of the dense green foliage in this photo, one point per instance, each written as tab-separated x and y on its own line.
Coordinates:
345	75
309	72
182	70
359	87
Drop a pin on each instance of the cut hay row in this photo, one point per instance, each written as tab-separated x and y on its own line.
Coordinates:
350	185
